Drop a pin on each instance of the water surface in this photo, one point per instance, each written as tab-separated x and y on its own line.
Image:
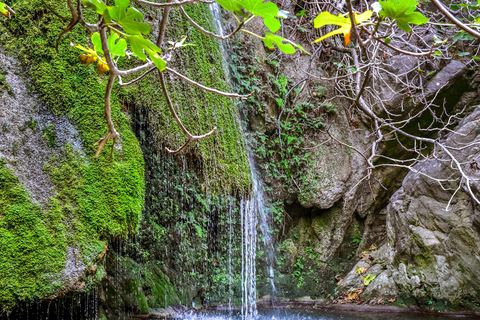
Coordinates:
312	314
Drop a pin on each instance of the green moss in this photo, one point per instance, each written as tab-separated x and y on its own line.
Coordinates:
161	293
225	166
33	244
94	198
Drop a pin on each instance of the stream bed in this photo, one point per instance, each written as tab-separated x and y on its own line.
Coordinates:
314	314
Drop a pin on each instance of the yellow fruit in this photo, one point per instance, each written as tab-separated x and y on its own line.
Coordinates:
87	59
102	67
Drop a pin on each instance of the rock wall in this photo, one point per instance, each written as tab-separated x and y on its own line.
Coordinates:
331	222
432	248
62	210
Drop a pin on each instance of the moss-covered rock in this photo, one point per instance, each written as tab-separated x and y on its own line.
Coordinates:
93	199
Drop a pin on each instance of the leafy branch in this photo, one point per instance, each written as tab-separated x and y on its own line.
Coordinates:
120	32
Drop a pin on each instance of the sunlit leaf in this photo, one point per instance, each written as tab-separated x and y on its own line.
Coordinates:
80	47
141	47
268	10
98	5
97	42
326	18
117	48
288	47
126	17
232	5
6	10
403	11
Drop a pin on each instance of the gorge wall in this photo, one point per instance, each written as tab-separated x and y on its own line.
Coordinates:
150	230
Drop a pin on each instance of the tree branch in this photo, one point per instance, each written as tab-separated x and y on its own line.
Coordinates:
225	94
135	80
54	12
73	22
190	137
112	133
208	33
452	18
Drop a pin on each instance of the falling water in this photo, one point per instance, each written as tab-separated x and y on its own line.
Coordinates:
252	210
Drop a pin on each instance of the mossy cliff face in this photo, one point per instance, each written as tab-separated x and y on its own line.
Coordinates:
93	200
187	250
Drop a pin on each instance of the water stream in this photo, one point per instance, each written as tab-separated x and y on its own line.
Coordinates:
255	213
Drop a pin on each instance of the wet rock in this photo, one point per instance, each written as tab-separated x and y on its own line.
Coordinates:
382	286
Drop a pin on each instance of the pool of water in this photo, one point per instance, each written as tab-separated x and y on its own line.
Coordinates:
312	314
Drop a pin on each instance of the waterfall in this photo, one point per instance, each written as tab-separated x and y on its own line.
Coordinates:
254	213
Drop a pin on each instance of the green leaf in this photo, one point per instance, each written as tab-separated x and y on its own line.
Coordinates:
288	47
437	53
403	13
388	40
301	13
272	24
97	42
98	5
368	279
116	48
462	35
141	47
232	5
269	11
280	102
125	17
462	54
4	10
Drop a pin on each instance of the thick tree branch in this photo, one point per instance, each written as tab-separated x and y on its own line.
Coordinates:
112	133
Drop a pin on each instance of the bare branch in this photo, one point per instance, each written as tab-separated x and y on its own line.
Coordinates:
225	94
53	11
73	22
163	25
135	80
112	133
208	33
190	137
452	18
409	53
